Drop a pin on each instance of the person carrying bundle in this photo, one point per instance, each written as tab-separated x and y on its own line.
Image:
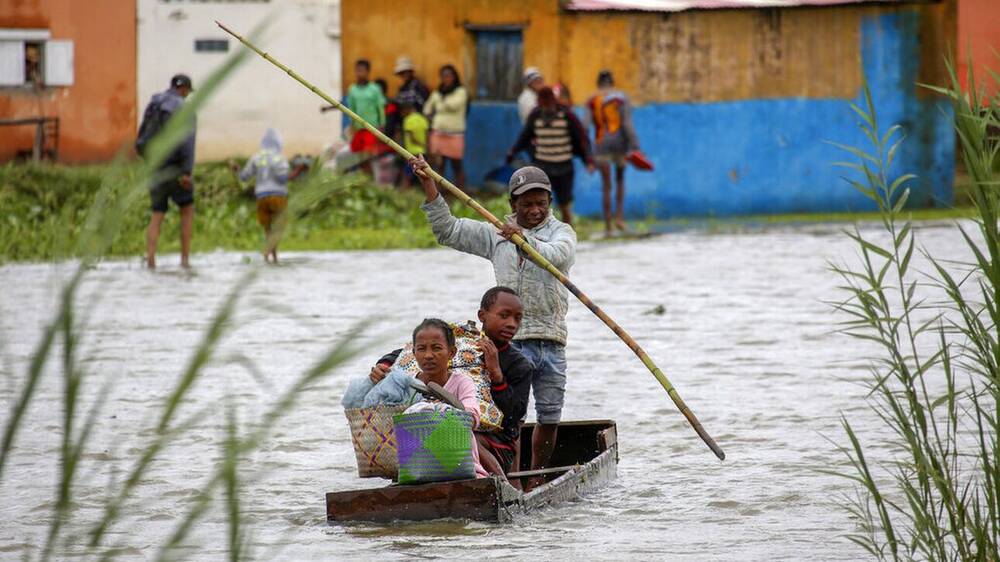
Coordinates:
610	112
433	347
509	372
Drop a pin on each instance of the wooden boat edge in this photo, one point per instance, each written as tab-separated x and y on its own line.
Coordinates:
484	499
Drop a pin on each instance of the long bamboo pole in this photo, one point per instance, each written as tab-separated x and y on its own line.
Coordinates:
516	239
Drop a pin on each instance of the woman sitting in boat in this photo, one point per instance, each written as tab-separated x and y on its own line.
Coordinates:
509	372
433	348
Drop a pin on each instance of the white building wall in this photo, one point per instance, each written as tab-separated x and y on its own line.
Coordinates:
303	34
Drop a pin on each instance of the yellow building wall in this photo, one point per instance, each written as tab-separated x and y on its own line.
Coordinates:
433	33
691	56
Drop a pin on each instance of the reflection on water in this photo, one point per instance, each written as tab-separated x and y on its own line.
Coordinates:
737	321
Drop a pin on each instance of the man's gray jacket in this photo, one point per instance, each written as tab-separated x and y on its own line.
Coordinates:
545	299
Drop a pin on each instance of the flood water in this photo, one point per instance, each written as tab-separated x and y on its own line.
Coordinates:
744	334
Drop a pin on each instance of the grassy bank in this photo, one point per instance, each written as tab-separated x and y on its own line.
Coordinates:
44	208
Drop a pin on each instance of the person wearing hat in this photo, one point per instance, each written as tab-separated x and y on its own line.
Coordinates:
172	180
542	337
413	92
411	86
610	112
533	83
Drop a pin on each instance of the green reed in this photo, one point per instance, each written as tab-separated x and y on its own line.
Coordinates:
933	491
70	533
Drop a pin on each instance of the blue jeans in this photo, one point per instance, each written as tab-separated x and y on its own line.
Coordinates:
548	384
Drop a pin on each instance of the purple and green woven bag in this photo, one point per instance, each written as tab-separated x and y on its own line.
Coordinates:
434	446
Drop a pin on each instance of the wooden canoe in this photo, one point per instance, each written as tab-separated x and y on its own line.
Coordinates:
586	456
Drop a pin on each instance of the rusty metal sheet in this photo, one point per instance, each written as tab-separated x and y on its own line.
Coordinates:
681	5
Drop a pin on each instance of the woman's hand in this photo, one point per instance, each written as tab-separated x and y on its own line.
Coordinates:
378	373
491	359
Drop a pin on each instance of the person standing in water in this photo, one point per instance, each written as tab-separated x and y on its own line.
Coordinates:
271	173
172	180
542	336
610	113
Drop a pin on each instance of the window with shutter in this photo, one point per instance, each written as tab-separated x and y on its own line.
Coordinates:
58	61
11	63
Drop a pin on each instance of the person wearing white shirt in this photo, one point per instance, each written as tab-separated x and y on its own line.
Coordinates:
533	82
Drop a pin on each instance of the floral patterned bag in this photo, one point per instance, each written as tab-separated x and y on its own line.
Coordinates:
468	361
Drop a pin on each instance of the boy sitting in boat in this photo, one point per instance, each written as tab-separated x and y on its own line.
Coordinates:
500	312
433	347
510	373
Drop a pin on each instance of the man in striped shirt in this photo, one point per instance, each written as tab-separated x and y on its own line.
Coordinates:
552	135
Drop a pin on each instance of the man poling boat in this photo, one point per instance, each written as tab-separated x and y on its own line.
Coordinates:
518	240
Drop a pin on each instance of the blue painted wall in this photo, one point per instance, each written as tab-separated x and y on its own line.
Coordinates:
763	156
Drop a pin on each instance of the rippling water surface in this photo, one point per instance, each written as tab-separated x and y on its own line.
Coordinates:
744	334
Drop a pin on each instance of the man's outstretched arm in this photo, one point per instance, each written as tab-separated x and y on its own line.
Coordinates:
465	235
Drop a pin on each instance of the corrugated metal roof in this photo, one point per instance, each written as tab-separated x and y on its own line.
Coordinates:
680	5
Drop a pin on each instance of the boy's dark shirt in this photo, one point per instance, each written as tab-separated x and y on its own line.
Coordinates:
511	396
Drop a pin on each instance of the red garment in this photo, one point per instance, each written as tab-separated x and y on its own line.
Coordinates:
364	141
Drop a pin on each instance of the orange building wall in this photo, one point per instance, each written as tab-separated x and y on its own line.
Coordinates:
979	37
97	113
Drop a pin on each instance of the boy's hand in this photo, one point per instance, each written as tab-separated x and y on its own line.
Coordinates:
491	359
185	182
233	165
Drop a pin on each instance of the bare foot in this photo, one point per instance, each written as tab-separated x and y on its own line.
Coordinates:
620	224
151	263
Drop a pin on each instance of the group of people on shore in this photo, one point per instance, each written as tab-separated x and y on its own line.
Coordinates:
427	123
552	135
433	124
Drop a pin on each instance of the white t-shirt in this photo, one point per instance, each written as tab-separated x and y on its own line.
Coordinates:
525	103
